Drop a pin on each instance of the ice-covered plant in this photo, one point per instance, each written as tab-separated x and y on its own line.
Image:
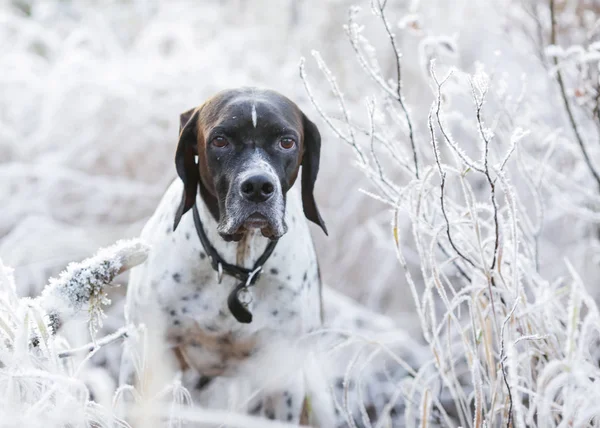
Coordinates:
510	346
38	381
83	285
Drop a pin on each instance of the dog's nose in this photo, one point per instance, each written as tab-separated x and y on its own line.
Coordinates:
257	188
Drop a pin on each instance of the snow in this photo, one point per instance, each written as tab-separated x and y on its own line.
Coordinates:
90	97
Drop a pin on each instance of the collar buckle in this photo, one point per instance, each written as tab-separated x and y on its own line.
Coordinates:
251	276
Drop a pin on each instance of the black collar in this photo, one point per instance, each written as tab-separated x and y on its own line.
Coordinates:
247	277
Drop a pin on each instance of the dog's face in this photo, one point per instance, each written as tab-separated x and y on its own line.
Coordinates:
250	144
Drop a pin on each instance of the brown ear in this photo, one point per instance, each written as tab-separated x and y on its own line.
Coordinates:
310	169
185	161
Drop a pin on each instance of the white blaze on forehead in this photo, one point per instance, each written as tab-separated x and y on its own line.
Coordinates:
254	118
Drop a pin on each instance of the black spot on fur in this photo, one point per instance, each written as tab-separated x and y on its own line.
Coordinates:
177	277
274	271
270	414
275	312
187	235
288	401
290	416
289	277
173	312
176	322
305	277
202	255
203	381
256	409
184	310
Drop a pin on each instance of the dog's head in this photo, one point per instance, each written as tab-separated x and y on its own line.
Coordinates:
249	144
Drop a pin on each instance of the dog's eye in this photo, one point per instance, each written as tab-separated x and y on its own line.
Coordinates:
219	141
287	143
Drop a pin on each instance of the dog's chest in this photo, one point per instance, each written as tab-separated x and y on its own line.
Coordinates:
284	302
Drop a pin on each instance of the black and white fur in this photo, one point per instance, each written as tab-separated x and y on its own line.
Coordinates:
285	301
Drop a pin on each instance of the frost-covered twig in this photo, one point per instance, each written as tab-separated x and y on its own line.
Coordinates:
353	31
121	333
385	187
380	11
83	285
436	152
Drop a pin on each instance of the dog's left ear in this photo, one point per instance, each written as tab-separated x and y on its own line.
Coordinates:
185	161
310	169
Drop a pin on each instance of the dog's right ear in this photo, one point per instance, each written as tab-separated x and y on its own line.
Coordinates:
185	161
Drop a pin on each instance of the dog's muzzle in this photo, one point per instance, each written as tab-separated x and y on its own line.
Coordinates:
254	201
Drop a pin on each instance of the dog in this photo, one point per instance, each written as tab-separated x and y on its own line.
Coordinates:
233	268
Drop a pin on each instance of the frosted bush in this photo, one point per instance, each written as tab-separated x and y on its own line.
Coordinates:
38	381
509	346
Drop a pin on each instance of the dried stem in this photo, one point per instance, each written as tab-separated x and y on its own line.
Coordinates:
397	55
121	333
479	100
442	173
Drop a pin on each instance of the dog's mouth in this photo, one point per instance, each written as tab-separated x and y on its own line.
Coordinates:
260	221
270	227
256	221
